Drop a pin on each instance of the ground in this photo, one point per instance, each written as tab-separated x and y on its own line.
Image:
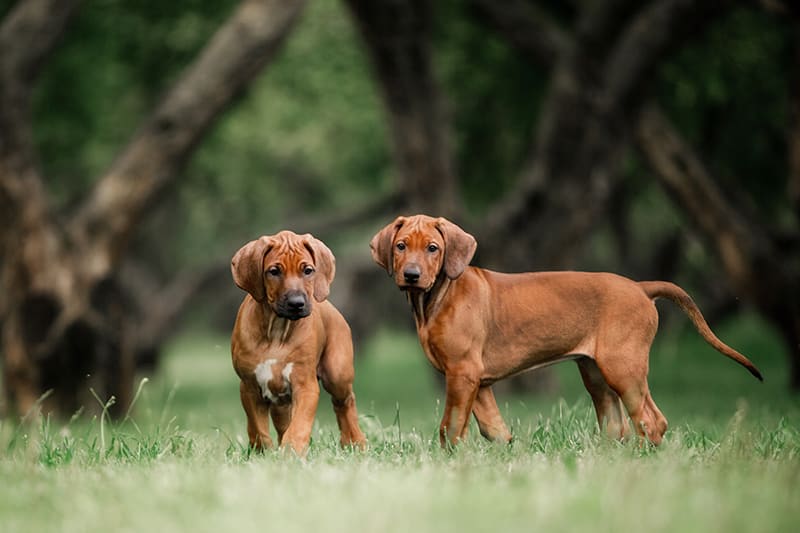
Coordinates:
730	460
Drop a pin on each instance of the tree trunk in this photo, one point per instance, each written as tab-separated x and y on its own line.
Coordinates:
596	87
397	38
794	129
66	323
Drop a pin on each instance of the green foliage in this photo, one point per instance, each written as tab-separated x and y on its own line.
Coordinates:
310	135
116	58
728	91
307	137
493	96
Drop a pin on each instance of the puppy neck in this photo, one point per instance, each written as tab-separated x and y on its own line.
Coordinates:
426	304
277	329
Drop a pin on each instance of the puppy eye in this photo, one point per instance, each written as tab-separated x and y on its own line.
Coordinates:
308	270
274	271
401	246
432	247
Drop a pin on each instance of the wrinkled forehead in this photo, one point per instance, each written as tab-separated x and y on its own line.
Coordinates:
419	230
289	252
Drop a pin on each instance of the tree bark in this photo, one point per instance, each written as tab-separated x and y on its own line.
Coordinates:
28	236
597	77
397	38
154	157
64	313
794	127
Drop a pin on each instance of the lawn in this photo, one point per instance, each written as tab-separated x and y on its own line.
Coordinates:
730	460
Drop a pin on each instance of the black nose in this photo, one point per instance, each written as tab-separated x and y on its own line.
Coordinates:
411	273
296	302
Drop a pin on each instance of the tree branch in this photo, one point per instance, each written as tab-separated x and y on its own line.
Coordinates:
743	246
754	265
157	152
159	307
338	221
652	33
526	27
28	35
566	180
584	129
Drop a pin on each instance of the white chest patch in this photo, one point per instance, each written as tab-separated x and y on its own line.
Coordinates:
264	375
287	371
276	389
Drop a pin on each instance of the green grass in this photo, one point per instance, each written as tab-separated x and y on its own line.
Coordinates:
730	461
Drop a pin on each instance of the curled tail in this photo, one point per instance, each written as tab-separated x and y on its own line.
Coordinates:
670	291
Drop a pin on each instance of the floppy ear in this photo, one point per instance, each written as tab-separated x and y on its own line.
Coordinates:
381	245
325	264
246	267
459	247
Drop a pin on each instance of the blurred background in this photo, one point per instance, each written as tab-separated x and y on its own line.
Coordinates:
143	142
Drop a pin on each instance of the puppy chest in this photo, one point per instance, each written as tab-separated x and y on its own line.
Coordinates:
274	379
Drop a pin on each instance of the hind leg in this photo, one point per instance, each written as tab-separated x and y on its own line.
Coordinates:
627	376
487	414
337	374
647	418
344	407
607	403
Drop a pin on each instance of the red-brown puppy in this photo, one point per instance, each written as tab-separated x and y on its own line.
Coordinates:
283	341
478	326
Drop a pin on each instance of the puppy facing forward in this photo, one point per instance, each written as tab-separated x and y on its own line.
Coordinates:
477	326
287	336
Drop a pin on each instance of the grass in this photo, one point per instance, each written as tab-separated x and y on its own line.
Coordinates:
730	461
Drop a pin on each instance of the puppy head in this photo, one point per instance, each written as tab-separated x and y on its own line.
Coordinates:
283	270
414	250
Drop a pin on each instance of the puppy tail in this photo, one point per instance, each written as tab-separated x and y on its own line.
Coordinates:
670	291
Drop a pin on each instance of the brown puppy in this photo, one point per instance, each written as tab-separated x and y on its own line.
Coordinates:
282	342
478	326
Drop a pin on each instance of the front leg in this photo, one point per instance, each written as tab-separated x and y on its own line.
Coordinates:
461	390
305	397
488	416
257	412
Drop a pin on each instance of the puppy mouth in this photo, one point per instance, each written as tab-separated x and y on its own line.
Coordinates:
413	287
291	314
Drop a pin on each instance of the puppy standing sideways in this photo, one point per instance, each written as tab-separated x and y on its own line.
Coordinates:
283	342
477	326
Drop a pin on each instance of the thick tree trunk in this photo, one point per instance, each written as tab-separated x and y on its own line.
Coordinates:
32	282
67	325
397	38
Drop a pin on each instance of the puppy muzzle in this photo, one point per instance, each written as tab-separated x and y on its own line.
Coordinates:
294	305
